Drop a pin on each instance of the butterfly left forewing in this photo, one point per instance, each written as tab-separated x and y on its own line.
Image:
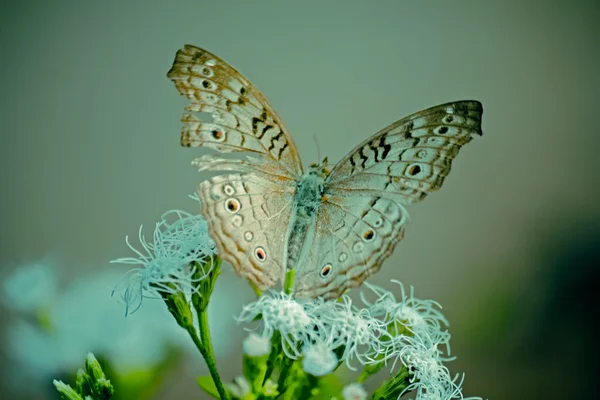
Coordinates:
410	158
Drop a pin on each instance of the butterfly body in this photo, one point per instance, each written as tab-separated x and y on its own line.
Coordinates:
334	228
307	201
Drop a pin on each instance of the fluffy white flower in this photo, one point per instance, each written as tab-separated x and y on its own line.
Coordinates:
319	359
420	317
430	377
280	312
354	391
256	346
166	260
340	324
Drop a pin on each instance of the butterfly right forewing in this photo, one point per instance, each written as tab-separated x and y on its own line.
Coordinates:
227	113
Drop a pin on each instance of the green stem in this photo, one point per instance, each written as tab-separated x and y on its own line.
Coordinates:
284	372
289	281
204	344
275	350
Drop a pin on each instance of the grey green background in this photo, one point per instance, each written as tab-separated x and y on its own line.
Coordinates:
90	150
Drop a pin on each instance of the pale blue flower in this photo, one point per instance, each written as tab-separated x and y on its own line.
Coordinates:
256	346
420	317
281	312
82	318
343	324
319	359
30	287
178	239
354	391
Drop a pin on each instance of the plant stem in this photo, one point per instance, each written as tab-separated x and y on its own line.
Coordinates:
204	344
289	281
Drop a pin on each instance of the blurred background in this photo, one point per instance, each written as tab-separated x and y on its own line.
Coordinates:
90	150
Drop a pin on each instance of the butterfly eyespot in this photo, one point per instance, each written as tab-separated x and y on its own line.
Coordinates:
210	63
343	257
207	72
414	170
248	236
358	247
232	205
421	154
435	141
237	221
326	270
218	135
378	222
242	90
449	119
442	130
260	254
229	190
369	235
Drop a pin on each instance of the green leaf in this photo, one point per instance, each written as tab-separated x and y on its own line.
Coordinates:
206	383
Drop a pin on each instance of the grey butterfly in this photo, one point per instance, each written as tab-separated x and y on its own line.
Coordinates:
267	215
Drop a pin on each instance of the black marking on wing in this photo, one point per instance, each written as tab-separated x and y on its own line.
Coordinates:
262	118
371	205
389	176
363	158
409	127
285	145
414	144
353	164
375	150
273	140
386	147
264	130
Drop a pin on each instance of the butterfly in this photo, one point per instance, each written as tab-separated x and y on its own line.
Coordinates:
268	215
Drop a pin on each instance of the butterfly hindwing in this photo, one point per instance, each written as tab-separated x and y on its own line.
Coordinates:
227	113
353	236
247	218
410	158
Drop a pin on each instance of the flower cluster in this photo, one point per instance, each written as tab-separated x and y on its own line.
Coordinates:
406	331
180	245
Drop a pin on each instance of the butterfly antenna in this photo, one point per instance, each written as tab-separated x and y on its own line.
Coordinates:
318	148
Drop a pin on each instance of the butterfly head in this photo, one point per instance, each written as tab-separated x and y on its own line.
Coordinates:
321	170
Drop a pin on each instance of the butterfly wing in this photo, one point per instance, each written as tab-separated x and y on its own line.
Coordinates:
247	218
410	158
247	212
353	236
362	217
242	119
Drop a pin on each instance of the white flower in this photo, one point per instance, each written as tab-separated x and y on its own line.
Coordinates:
240	387
342	324
430	377
419	349
420	317
166	260
354	391
256	346
319	359
280	312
